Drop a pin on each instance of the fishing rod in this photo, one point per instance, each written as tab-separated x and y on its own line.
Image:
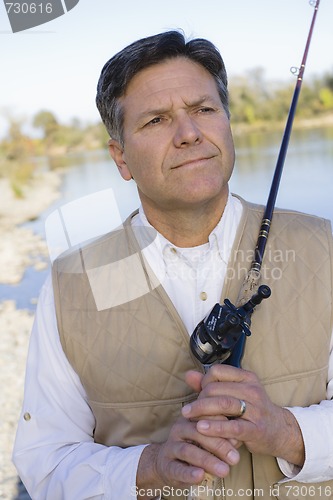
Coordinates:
268	214
221	335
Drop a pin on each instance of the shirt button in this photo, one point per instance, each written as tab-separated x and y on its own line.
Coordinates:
203	296
27	417
173	250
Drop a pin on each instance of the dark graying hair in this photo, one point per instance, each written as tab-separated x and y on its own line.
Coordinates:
121	68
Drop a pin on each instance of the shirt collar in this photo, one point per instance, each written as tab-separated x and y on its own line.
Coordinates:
222	237
225	231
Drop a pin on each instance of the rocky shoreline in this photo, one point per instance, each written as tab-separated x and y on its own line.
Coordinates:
19	248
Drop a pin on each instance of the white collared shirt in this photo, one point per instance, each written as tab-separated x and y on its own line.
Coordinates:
193	277
55	452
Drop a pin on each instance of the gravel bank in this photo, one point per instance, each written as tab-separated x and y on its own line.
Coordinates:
19	248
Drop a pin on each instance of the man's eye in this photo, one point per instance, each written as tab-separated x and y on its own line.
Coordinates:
155	120
205	109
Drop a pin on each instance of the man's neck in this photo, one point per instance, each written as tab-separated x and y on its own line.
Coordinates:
186	228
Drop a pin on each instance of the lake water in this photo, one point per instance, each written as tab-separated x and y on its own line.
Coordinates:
306	185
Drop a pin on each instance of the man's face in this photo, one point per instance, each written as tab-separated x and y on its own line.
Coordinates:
178	145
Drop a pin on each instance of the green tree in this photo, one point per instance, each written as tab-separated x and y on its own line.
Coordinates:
326	98
16	145
47	122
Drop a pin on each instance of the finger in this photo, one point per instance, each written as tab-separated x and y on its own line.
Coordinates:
215	389
168	469
211	417
194	379
235	443
179	473
199	458
226	406
230	430
226	373
186	433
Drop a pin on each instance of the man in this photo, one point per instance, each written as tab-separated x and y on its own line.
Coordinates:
116	405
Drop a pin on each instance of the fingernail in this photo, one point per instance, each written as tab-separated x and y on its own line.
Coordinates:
186	410
196	473
233	457
221	469
203	426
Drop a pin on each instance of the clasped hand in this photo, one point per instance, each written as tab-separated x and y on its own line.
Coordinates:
206	438
217	410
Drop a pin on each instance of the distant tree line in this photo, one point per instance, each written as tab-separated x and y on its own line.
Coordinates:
253	99
56	138
18	150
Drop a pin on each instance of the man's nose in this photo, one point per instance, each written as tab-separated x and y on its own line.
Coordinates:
187	131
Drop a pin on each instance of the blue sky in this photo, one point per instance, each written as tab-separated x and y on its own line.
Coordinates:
55	66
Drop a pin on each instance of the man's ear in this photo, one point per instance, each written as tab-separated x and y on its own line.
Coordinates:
116	151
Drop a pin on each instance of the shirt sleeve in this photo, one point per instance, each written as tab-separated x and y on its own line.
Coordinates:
54	452
316	424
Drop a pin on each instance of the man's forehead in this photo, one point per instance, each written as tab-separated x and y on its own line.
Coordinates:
176	79
171	72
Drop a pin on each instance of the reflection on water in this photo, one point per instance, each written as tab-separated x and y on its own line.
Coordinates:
306	183
307	177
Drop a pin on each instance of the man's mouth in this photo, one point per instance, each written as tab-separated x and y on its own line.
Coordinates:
193	161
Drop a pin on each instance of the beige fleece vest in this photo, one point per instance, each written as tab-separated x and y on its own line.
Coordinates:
126	341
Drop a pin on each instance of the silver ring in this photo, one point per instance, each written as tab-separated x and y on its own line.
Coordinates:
242	408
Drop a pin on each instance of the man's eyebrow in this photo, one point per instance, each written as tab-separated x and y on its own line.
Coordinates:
190	104
202	100
152	112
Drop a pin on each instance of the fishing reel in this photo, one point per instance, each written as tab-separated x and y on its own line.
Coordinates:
220	336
